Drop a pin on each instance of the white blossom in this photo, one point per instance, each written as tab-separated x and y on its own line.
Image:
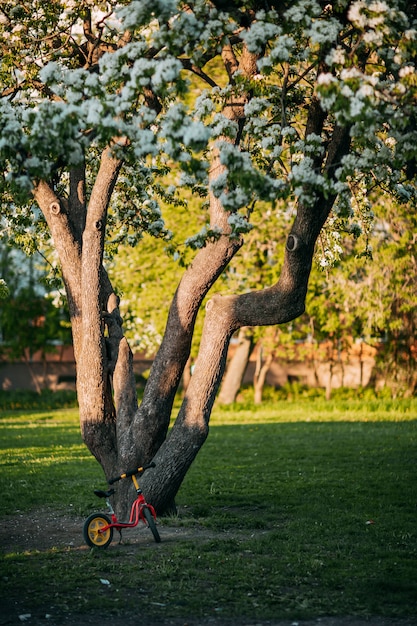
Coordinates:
4	290
256	106
281	50
258	35
325	78
221	125
336	56
302	11
166	71
138	12
406	71
239	224
196	134
356	14
324	31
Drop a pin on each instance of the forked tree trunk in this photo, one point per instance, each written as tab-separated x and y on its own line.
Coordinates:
120	434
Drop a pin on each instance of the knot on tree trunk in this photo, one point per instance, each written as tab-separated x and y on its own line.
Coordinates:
293	243
55	208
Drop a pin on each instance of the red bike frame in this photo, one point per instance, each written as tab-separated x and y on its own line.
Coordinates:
98	527
136	512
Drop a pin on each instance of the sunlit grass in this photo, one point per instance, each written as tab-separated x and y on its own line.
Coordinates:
43	461
309	506
318	410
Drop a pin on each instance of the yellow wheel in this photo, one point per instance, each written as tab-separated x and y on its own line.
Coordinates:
92	527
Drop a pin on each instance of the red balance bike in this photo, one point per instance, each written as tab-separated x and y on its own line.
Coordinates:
98	527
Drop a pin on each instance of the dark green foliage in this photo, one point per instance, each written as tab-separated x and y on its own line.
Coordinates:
26	400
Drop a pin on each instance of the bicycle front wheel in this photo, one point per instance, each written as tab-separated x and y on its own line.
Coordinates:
151	523
92	527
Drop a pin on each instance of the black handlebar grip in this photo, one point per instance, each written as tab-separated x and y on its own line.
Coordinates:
137	470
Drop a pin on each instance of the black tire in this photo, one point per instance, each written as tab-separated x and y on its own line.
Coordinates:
151	523
92	526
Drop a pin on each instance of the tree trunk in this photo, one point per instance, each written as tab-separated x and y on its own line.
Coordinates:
236	368
261	371
187	373
120	434
329	381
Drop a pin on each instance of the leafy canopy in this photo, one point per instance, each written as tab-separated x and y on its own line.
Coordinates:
76	77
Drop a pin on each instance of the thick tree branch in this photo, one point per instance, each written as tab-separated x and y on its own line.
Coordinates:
92	256
229	59
188	65
97	414
77	201
173	353
207	266
69	253
278	304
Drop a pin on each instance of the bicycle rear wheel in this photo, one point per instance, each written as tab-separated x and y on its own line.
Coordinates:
151	523
91	531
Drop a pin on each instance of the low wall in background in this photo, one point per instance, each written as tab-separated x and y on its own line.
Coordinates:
57	370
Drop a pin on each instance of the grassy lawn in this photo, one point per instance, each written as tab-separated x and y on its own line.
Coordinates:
301	509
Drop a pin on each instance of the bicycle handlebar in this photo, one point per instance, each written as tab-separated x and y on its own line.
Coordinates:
137	470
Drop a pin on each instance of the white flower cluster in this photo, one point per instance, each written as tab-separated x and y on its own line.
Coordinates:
303	11
206	234
306	180
14	149
336	56
241	182
330	250
204	105
4	290
178	129
374	18
353	94
141	12
304	177
193	33
324	31
281	51
222	126
136	208
260	32
239	225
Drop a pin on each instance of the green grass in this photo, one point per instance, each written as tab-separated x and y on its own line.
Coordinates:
280	495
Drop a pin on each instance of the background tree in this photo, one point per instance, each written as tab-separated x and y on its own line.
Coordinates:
369	296
95	117
31	319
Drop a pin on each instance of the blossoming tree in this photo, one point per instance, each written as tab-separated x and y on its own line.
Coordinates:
110	110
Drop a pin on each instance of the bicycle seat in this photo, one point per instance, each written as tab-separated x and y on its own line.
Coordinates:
104	494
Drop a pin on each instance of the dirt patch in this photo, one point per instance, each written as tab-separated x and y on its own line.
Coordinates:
44	530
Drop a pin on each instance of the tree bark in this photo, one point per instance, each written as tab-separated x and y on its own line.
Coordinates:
153	415
224	316
120	434
278	304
